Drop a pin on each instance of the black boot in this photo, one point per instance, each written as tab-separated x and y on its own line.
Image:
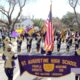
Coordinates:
76	53
76	77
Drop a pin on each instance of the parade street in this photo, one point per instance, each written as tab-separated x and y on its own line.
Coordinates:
27	76
39	40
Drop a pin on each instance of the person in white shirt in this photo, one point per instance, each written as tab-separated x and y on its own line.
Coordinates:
9	57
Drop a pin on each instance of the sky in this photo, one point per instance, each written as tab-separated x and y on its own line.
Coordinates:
40	8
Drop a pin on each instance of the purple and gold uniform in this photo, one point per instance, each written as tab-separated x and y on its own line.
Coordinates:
38	43
19	43
29	43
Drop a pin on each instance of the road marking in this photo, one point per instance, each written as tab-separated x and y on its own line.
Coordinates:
16	75
49	79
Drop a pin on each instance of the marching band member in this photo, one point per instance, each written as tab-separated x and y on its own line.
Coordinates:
42	43
29	43
38	38
68	44
76	43
19	43
58	42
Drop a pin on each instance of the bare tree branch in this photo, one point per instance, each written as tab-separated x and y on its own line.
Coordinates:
19	11
79	2
76	3
73	3
21	6
3	13
19	3
16	18
12	9
24	3
12	4
3	22
9	9
2	8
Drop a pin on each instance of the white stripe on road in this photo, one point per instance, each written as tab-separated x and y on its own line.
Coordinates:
48	78
16	75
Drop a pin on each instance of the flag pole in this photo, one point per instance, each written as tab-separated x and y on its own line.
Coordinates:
51	12
51	24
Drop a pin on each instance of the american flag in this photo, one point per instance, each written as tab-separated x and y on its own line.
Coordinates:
49	39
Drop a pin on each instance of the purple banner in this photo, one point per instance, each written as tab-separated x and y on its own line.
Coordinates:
48	66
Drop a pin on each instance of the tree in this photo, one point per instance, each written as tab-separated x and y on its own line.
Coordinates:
70	21
73	4
11	4
57	24
38	22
